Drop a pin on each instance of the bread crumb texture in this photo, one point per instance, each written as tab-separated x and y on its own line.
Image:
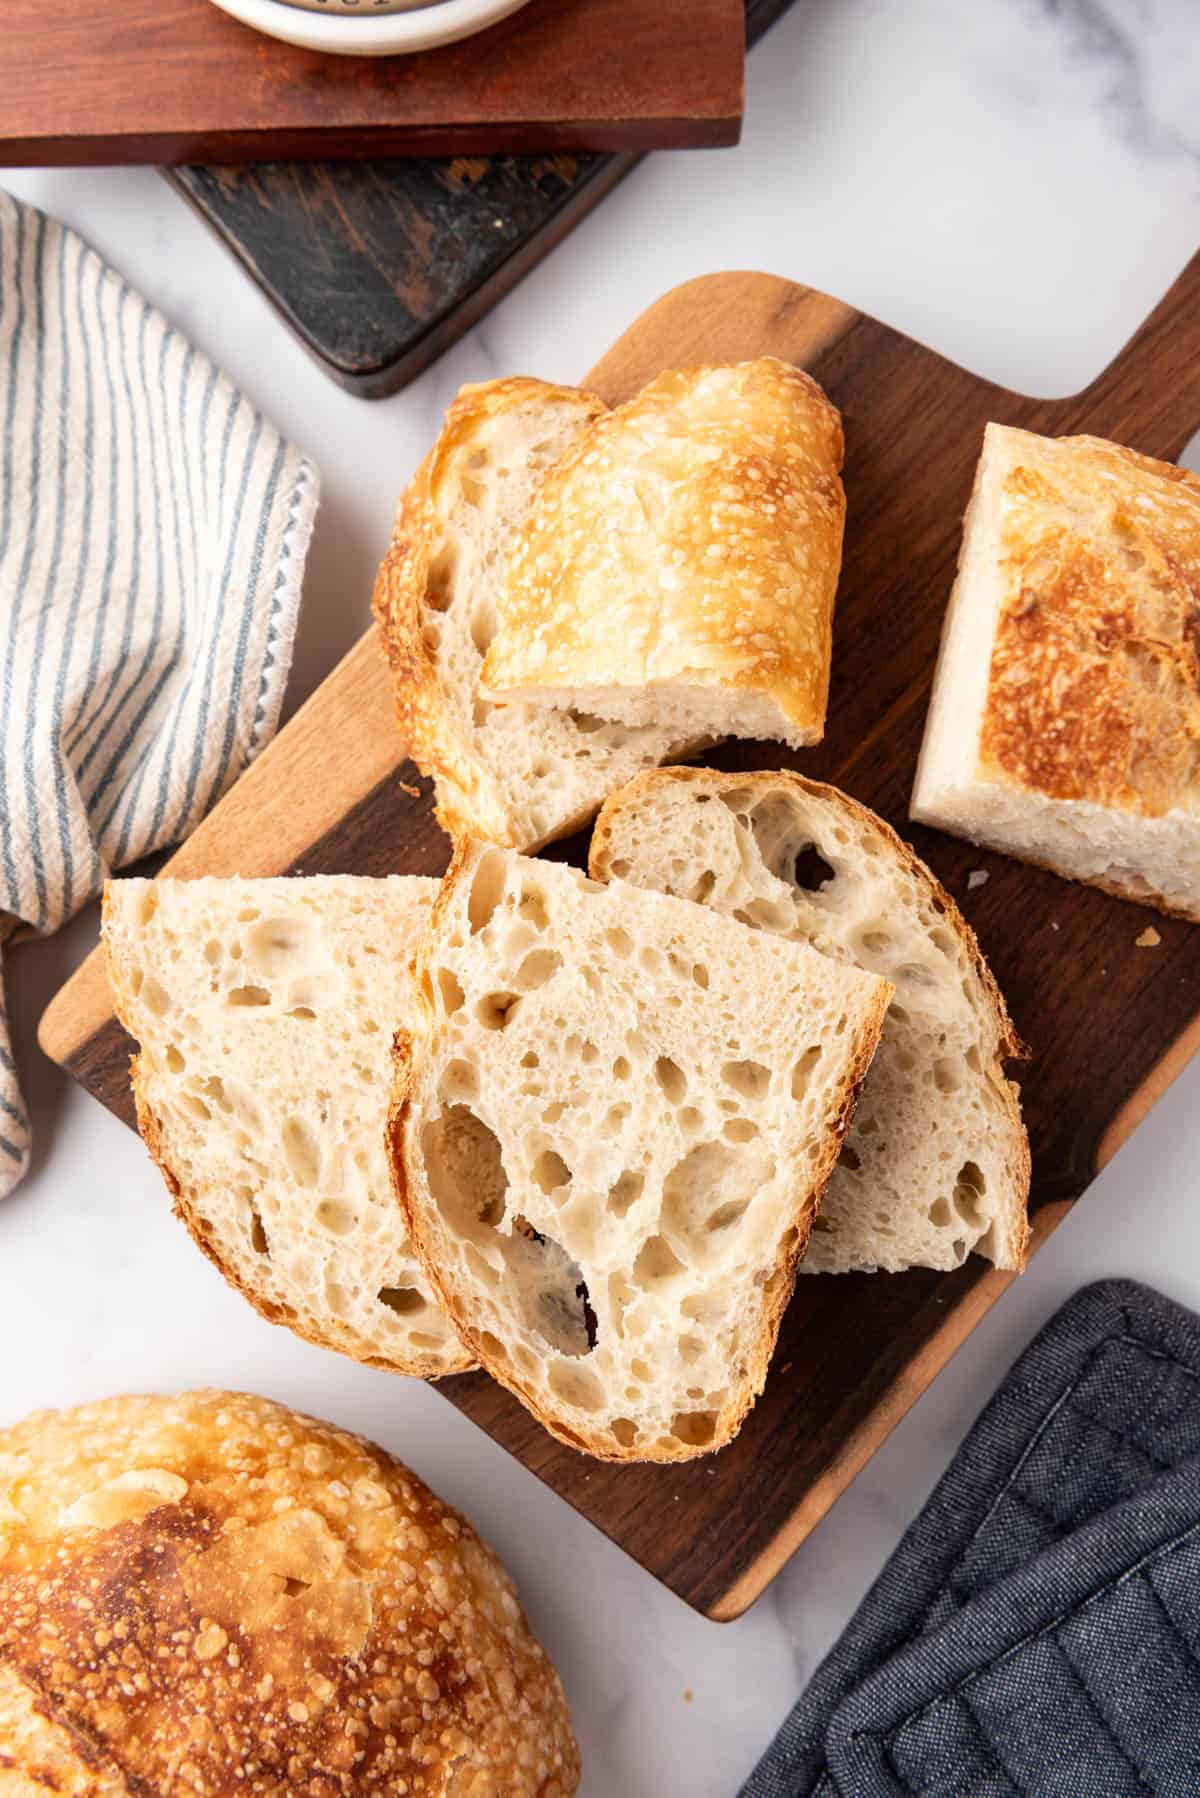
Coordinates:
1094	690
209	1594
693	534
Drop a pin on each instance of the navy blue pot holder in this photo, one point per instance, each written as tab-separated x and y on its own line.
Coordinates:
1037	1632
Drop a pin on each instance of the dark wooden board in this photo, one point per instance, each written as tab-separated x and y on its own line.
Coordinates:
180	81
379	266
334	793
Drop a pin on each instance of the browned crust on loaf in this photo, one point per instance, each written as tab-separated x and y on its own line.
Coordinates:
466	799
330	1337
1011	1045
748	524
780	1283
210	1592
1094	687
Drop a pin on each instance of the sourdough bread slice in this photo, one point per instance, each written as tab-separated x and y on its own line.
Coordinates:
610	1138
508	772
264	1011
936	1163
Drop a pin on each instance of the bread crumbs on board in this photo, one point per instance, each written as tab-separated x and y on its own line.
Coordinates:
1149	938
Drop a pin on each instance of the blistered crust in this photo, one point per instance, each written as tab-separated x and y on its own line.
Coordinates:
692	535
210	1593
1094	688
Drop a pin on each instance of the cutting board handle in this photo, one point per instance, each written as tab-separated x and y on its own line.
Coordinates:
1149	395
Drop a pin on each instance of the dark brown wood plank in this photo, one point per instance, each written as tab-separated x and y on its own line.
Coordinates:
180	81
854	1352
379	266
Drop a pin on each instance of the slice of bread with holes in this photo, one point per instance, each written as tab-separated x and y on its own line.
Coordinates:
610	1137
264	1011
937	1161
508	772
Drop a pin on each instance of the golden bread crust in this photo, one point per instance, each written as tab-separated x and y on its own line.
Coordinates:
407	591
210	1593
1094	689
691	535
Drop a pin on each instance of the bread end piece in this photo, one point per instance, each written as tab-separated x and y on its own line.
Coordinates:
680	561
503	772
1064	727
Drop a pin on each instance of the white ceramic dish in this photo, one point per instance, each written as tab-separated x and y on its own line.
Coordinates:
367	30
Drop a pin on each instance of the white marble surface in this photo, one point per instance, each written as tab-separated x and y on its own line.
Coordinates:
1016	183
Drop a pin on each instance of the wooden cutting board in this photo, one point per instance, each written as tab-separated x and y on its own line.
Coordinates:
180	81
1110	1023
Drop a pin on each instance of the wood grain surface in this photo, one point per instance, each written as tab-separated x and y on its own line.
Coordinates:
379	266
180	81
332	793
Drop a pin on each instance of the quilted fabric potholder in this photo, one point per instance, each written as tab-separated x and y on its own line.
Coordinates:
1036	1631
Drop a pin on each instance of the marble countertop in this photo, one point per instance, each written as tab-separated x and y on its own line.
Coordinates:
1015	183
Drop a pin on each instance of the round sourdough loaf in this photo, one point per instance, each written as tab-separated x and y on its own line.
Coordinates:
209	1593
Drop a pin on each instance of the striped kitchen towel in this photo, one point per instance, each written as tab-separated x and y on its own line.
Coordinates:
153	531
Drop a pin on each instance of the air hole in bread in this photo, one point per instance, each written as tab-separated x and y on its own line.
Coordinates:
691	1347
650	961
176	1061
193	1106
618	869
576	1386
700	976
749	1078
304	1012
696	1428
810	871
539	966
496	1010
641	1370
690	1120
449	987
624	1431
866	1126
405	1301
532	908
587	722
247	995
530	1059
898	1015
491	1348
550	1172
301	1151
621	1068
439	578
276	944
708	1190
656	1263
337	1216
626	1191
613	1119
849	1158
153	996
212	952
258	1234
550	1290
465	1171
875	942
939	1212
671	1078
620	1292
911	973
947	1076
802	1070
740	1130
969	1188
487	891
823	1227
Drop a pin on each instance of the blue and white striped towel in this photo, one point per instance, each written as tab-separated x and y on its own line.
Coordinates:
153	531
